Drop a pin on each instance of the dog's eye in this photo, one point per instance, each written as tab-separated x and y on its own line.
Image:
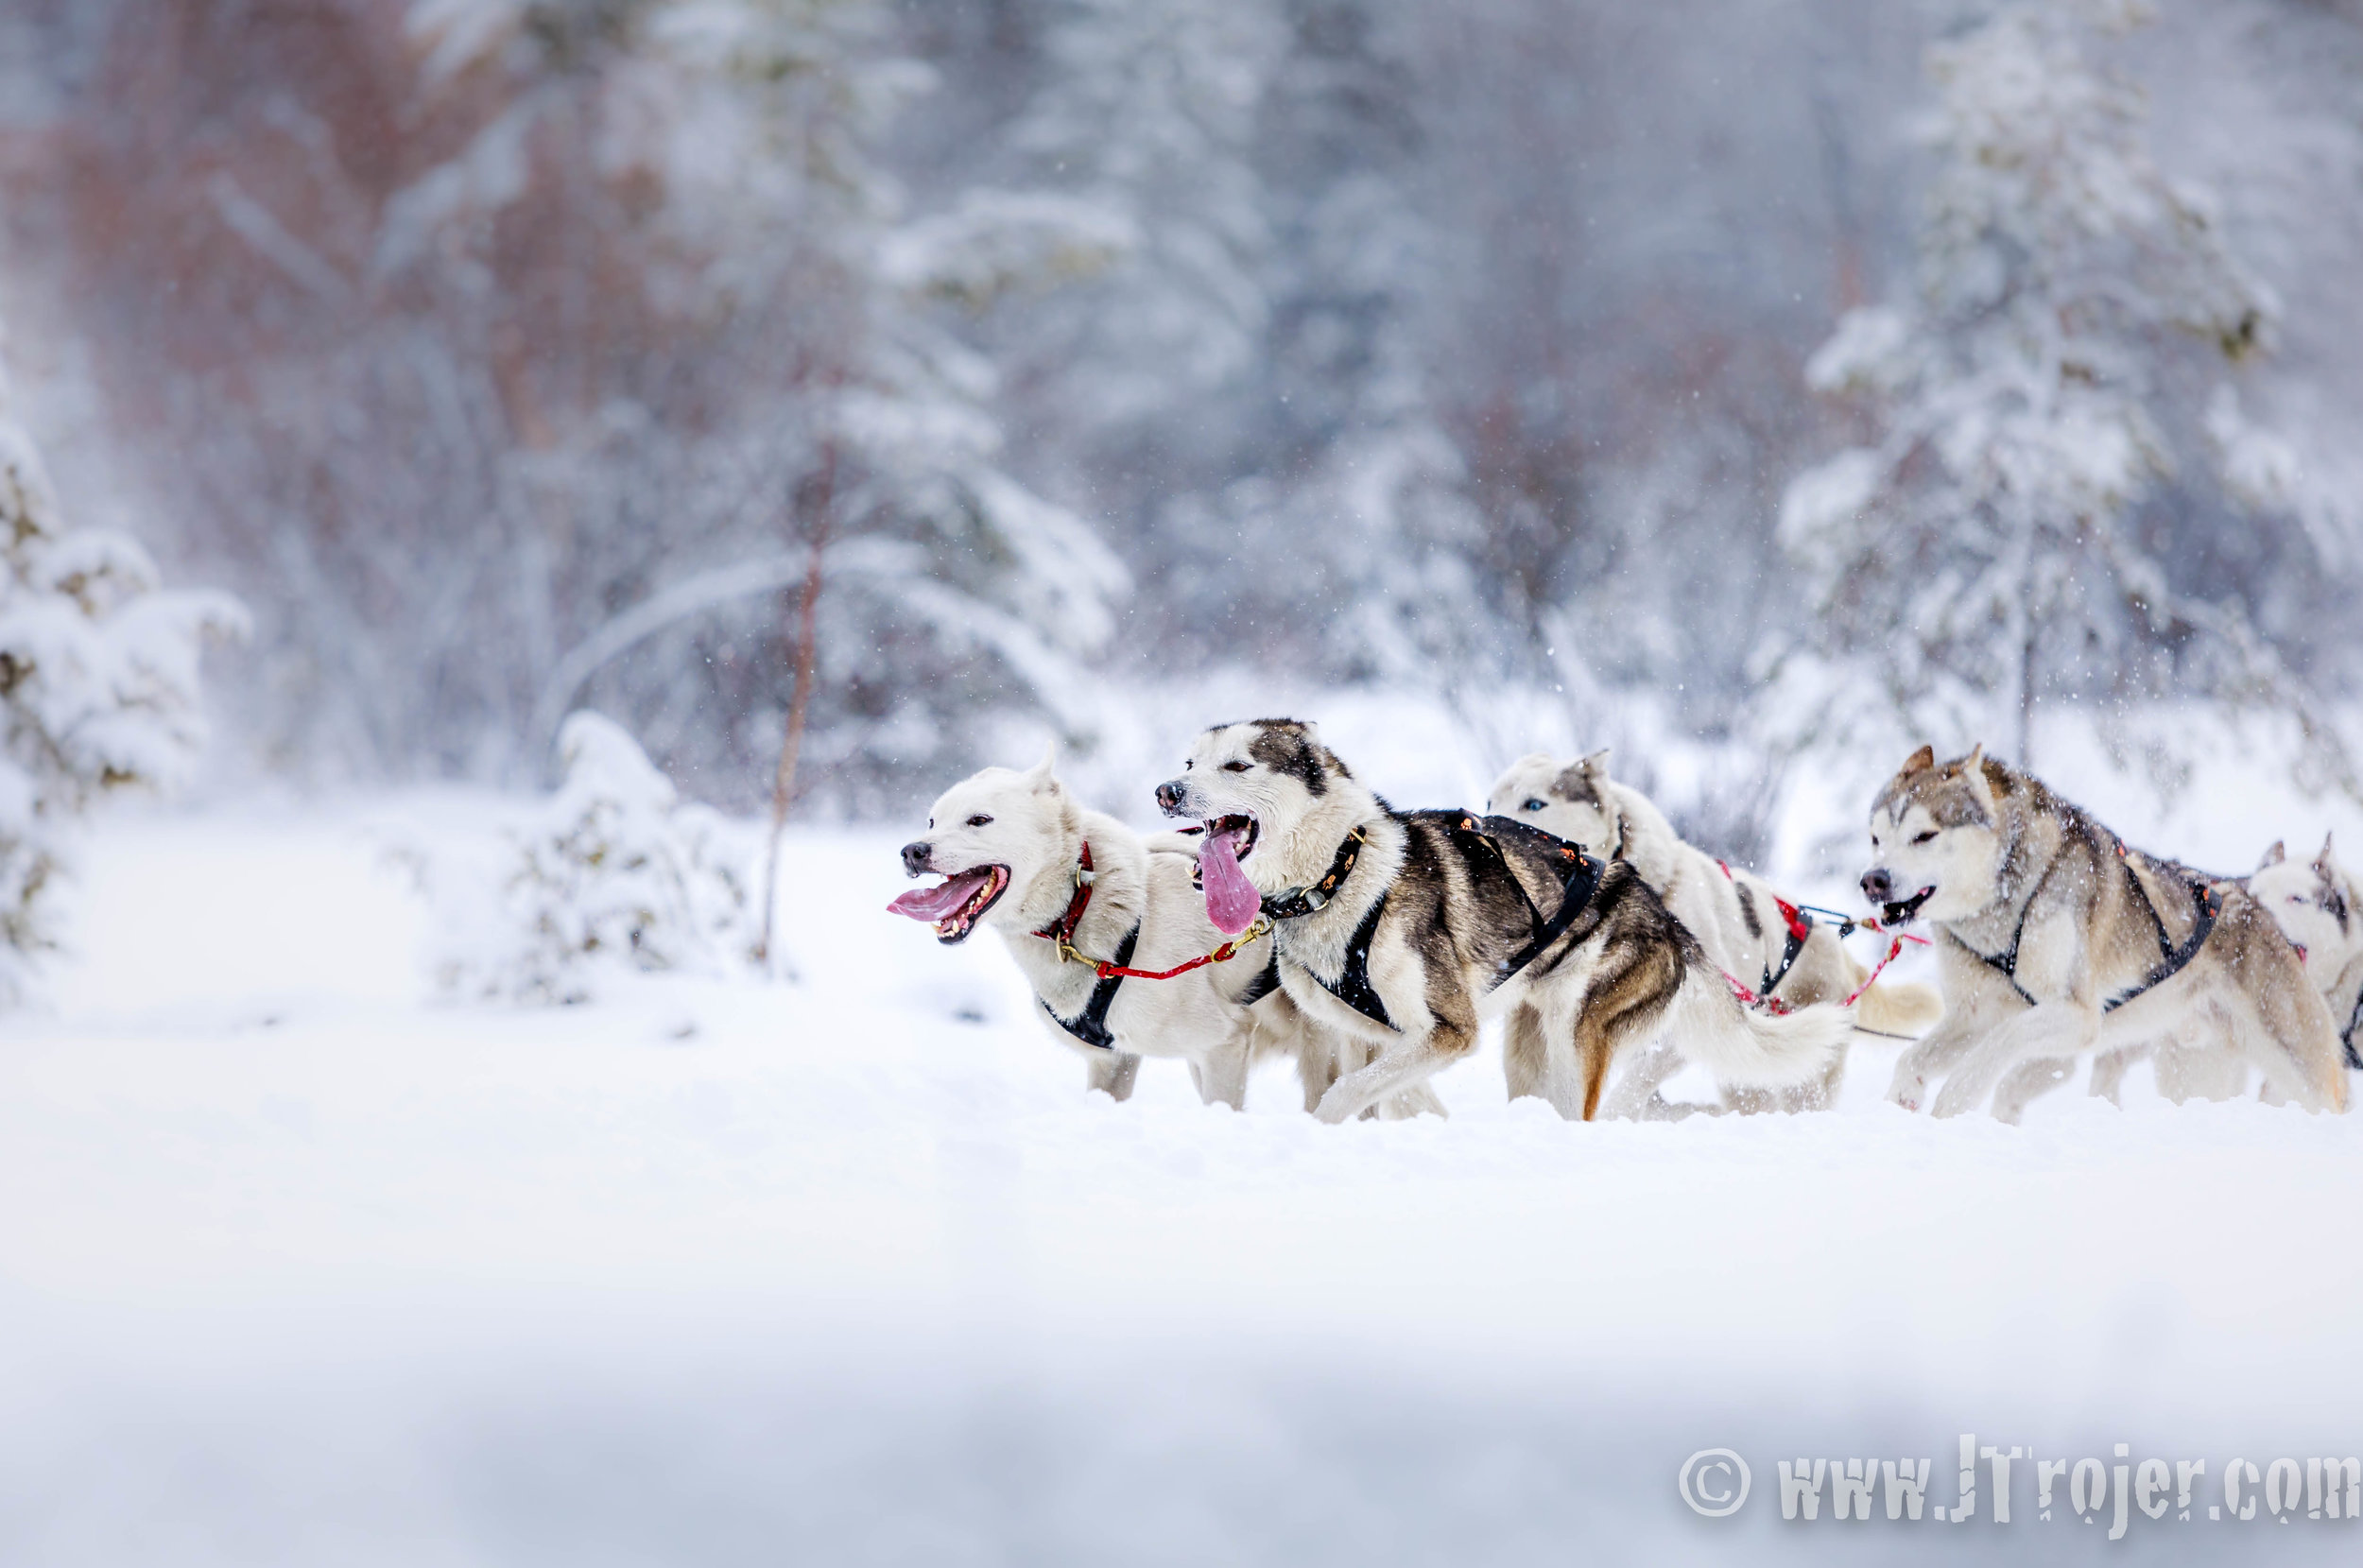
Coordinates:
1236	766
980	820
1535	803
1923	838
1187	765
931	824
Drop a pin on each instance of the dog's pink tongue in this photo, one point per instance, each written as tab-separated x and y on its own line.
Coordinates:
933	904
1232	901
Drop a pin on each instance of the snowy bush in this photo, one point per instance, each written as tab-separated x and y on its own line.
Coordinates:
98	686
612	872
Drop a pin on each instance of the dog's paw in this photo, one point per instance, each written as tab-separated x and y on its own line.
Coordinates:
1954	1102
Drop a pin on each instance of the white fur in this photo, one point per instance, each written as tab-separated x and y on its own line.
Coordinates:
1036	829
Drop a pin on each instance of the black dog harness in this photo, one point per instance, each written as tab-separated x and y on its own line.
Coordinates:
2171	959
2354	1021
1575	895
1354	986
1091	1024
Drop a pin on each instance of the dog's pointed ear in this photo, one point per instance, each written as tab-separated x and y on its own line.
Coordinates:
2273	856
1596	763
2326	861
1039	778
1919	762
1972	768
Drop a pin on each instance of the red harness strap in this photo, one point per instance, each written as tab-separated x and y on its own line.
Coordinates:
1223	955
1062	931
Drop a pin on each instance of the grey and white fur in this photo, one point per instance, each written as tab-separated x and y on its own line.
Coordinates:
2320	908
1441	913
1735	914
2050	931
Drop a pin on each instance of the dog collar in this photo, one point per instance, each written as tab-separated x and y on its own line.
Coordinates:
1062	930
1295	903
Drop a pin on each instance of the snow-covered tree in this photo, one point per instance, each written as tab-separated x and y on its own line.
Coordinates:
1998	542
855	441
99	687
614	873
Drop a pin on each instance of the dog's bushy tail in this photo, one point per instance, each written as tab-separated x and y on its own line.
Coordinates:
1746	1049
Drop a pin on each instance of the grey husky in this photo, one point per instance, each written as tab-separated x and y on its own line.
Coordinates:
2056	940
1404	929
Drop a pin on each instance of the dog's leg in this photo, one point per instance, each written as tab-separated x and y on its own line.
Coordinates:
2050	1029
1397	1069
1221	1073
1617	1014
1929	1059
1111	1073
2028	1081
2109	1070
1526	1052
1637	1092
2205	1071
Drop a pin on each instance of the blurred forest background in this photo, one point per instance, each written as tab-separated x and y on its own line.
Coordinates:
1747	364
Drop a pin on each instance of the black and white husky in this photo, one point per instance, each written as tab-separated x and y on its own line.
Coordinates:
1404	929
1067	888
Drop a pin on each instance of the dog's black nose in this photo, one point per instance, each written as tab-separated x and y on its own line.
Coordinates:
1169	797
1878	886
915	855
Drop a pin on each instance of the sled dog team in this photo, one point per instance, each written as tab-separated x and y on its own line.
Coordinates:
1301	915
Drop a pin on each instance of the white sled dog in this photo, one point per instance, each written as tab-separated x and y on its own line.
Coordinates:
2320	909
1063	887
2057	940
1745	926
1402	929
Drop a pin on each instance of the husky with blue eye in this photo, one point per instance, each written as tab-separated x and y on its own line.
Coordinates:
1749	931
2056	939
1403	930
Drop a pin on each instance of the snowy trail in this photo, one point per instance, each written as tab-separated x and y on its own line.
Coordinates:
299	1264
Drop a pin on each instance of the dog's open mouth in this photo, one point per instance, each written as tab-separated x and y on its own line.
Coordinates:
1902	913
1240	829
956	904
1232	901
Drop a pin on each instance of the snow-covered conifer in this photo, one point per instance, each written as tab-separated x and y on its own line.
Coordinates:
614	872
99	687
1997	544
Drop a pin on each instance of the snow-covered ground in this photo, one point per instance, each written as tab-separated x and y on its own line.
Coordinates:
299	1265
